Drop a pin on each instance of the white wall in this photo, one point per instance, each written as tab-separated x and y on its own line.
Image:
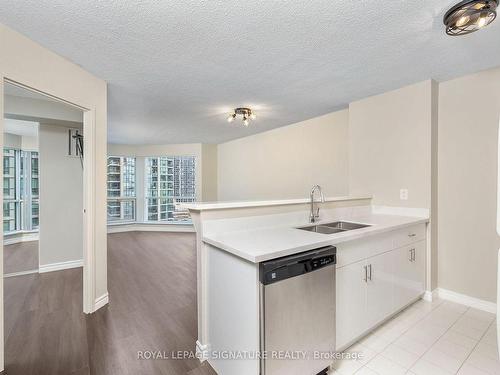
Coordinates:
390	146
16	106
12	140
24	142
286	162
469	113
61	198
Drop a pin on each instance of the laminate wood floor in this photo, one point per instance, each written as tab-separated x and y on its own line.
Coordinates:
152	287
20	257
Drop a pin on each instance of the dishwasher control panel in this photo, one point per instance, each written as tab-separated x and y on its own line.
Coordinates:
284	268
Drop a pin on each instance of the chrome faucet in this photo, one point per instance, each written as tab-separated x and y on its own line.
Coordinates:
315	213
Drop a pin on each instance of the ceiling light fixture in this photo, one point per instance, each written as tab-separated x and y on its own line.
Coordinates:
469	16
245	113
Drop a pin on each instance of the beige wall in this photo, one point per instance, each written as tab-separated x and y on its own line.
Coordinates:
61	198
209	172
390	146
286	162
393	146
469	112
24	61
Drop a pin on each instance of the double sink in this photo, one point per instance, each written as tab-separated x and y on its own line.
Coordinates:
335	227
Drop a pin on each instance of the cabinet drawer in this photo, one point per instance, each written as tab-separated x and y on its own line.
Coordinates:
354	251
409	235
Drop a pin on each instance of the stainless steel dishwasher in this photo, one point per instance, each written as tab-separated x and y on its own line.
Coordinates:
297	317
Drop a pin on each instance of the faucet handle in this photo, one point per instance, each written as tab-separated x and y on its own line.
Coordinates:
317	212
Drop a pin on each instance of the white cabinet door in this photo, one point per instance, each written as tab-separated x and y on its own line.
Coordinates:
351	303
418	271
380	292
409	273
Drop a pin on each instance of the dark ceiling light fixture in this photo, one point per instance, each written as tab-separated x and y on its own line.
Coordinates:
245	113
469	16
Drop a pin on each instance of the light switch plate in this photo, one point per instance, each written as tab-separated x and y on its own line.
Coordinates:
403	194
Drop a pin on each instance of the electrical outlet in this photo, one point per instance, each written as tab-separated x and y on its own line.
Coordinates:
403	194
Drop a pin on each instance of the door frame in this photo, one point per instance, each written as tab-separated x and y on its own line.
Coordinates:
89	123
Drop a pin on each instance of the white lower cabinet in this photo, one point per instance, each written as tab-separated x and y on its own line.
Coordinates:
351	302
373	288
380	291
409	275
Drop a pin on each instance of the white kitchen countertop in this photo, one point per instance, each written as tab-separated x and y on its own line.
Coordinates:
258	245
202	206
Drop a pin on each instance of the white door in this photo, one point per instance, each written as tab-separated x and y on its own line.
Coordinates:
351	302
379	301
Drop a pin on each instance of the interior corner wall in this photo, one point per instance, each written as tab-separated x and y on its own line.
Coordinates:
390	146
209	172
432	279
286	162
61	199
469	113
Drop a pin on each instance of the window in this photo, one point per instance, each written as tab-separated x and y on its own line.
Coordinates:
170	180
20	189
121	189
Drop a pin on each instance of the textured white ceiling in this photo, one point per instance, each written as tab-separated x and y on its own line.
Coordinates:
176	68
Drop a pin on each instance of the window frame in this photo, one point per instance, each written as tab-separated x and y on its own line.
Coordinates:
175	199
23	194
122	198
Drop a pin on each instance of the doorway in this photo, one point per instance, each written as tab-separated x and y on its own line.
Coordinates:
43	183
43	221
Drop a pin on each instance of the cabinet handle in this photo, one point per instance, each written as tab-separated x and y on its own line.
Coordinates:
366	274
414	256
370	277
412	235
411	255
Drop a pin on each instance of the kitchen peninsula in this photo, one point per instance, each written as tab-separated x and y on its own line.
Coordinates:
380	265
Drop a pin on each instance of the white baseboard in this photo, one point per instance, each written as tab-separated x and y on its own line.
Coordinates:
13	238
101	301
21	273
463	299
201	351
430	296
60	266
137	227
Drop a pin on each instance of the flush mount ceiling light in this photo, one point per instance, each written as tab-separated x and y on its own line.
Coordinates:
469	16
245	113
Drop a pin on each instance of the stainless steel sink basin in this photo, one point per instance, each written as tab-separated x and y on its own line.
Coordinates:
345	225
321	229
335	227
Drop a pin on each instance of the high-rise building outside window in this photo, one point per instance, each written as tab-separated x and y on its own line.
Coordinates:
21	190
170	180
121	189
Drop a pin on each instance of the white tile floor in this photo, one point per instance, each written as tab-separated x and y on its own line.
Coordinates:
428	338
